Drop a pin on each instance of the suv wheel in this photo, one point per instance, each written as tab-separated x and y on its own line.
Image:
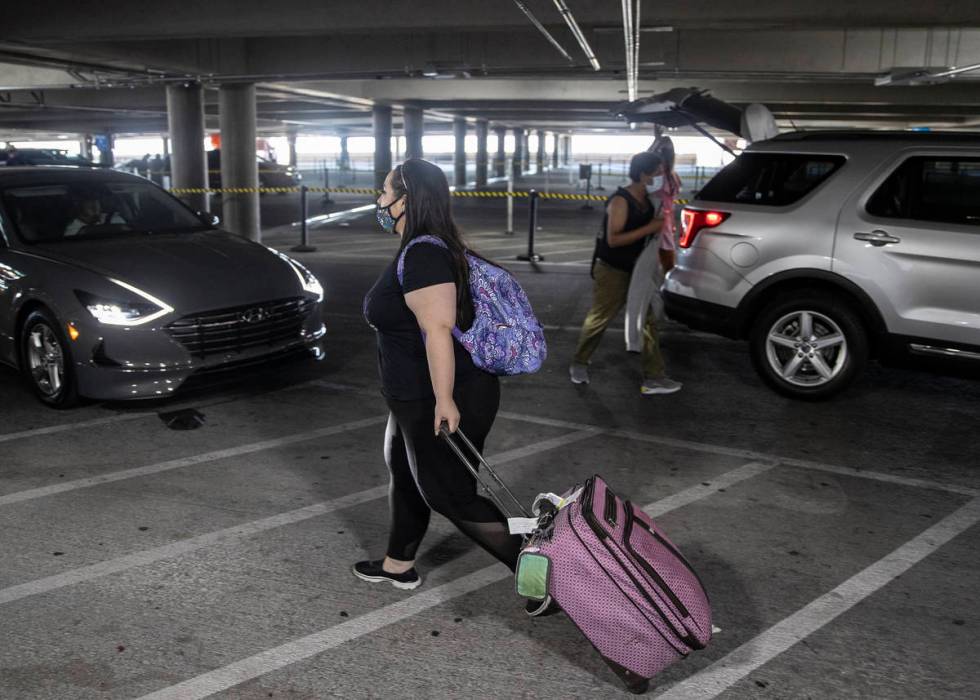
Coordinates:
810	345
46	360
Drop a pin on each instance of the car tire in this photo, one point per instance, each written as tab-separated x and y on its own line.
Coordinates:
45	360
809	366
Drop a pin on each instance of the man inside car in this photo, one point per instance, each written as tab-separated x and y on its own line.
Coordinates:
88	212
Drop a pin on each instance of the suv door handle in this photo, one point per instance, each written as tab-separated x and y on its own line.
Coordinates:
876	238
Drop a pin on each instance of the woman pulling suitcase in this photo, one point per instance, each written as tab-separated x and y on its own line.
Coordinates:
428	378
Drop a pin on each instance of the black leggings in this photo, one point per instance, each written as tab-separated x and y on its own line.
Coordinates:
426	475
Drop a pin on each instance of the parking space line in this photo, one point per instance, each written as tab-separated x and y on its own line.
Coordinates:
305	647
21	496
62	427
175	405
737	664
751	454
245	530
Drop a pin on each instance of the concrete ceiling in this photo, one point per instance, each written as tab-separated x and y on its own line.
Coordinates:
321	66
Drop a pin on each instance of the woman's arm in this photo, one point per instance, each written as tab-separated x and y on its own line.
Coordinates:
616	237
435	309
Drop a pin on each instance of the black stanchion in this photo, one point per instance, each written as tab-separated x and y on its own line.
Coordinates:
304	246
531	227
326	184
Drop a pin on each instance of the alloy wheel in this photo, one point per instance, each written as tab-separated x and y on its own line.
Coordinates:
806	348
46	360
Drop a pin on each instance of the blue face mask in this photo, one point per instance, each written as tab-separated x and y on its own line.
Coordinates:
385	219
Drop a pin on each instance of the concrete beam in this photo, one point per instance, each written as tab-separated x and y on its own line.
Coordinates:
50	21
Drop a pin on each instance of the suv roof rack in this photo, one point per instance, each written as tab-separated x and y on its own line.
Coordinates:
857	135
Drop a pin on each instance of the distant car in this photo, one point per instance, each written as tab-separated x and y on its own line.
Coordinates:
111	288
43	156
270	174
826	248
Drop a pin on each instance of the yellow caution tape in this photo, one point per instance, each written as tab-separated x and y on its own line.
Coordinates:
485	194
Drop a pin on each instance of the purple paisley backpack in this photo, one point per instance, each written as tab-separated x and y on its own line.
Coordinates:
505	337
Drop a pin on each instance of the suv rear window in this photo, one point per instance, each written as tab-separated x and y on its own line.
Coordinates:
931	188
774	179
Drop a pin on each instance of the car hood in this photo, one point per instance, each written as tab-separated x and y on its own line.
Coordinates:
189	271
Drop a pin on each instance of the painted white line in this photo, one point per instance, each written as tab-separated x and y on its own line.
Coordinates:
21	496
233	394
62	427
730	669
239	532
699	491
303	648
751	454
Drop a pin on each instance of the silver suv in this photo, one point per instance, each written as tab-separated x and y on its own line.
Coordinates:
826	248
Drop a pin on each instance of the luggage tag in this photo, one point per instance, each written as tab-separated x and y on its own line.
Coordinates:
522	526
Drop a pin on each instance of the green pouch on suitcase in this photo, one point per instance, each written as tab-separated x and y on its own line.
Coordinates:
532	575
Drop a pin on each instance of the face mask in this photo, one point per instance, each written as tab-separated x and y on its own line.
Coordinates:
385	219
656	185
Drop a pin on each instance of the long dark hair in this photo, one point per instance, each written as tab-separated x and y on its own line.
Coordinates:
428	212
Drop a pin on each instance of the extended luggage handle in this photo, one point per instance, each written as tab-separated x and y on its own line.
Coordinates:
480	461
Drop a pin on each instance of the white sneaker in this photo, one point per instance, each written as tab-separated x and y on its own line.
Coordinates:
579	374
664	385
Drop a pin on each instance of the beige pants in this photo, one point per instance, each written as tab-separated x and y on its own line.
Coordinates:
609	293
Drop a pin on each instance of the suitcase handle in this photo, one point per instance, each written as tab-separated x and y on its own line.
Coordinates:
474	470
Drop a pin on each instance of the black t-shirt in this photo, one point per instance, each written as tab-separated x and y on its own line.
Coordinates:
402	361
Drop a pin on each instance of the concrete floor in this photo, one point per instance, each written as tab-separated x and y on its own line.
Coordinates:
837	540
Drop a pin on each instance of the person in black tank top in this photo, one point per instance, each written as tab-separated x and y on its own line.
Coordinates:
428	379
629	224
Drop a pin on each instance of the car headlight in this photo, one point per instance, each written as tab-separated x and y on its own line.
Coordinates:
307	279
119	312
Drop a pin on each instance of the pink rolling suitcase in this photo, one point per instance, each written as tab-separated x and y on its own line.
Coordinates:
615	573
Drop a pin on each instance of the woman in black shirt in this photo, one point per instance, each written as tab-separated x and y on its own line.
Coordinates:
428	378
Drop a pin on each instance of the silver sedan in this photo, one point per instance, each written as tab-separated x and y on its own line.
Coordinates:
110	288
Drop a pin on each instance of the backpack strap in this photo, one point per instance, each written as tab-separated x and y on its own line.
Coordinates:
400	268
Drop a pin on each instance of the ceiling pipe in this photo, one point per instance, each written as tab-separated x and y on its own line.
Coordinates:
577	33
541	28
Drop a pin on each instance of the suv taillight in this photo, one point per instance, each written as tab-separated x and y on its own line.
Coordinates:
694	220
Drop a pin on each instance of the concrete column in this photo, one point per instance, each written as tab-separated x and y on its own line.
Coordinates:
459	157
481	152
518	159
185	121
414	128
291	140
566	149
345	153
526	152
382	144
166	146
500	159
542	160
85	146
238	162
555	150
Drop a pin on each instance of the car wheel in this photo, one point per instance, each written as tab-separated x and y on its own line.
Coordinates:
46	360
810	345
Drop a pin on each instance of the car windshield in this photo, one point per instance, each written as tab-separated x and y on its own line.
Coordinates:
84	210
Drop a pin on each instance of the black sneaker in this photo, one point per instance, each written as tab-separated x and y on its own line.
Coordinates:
372	572
541	608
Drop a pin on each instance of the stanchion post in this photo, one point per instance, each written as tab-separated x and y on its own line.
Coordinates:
532	225
510	206
304	246
326	185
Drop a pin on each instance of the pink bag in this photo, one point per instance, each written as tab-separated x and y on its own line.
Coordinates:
609	567
621	581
